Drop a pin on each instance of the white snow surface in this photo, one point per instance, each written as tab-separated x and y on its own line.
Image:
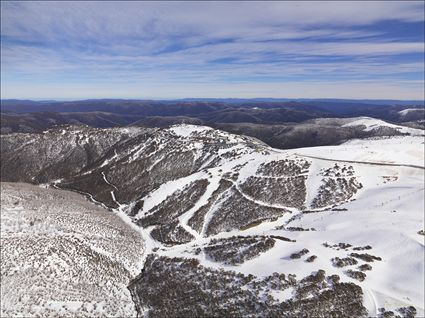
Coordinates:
400	150
184	130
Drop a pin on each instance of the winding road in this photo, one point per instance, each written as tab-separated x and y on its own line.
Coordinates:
364	162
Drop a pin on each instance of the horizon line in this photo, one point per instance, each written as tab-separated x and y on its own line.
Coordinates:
58	99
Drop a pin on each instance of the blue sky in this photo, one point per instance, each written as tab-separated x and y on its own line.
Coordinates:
166	50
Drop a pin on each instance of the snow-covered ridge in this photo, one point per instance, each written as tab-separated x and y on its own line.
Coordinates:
372	124
184	130
385	214
406	111
350	225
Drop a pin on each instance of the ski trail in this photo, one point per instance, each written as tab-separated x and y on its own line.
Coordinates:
262	203
106	180
184	219
373	311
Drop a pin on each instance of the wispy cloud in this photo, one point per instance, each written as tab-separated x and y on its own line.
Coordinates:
179	49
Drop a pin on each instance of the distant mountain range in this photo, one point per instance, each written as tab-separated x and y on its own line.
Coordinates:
281	124
144	106
241	100
332	100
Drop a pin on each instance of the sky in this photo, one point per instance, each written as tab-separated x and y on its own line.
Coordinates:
169	50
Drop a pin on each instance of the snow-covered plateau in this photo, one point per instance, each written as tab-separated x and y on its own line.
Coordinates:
223	224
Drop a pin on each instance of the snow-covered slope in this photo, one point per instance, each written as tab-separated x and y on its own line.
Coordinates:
406	150
383	219
409	111
63	256
354	210
375	124
406	111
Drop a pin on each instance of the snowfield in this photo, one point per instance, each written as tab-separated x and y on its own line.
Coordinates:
402	151
62	256
188	130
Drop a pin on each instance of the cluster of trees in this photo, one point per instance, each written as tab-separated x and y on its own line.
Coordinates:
237	249
181	287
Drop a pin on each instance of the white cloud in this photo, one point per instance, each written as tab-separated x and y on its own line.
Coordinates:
151	20
176	43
